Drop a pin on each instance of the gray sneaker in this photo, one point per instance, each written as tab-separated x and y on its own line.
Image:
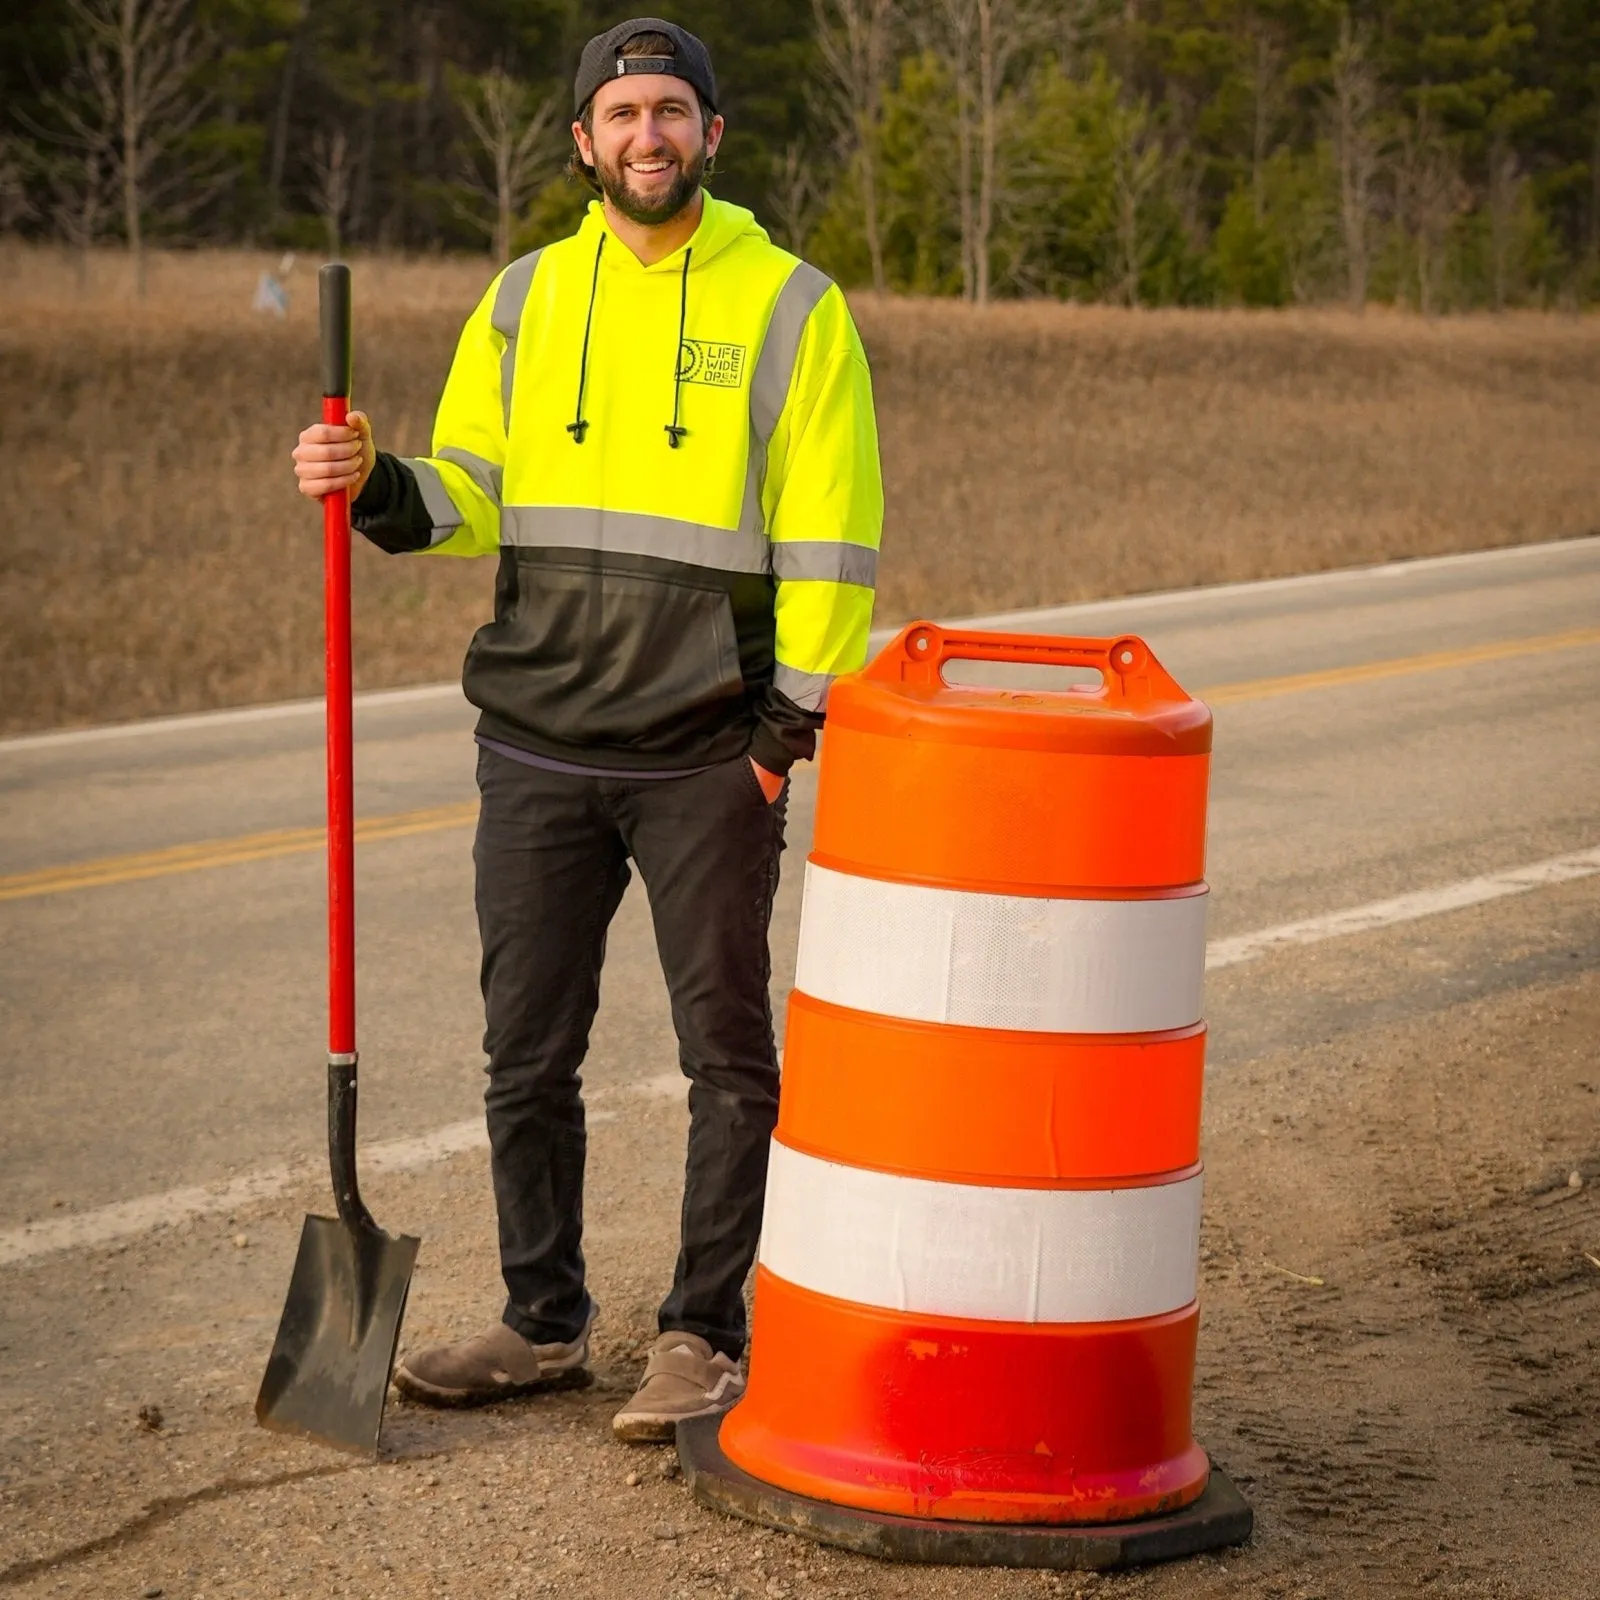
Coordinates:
683	1378
497	1365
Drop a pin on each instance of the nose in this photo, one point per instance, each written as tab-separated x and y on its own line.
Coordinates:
648	136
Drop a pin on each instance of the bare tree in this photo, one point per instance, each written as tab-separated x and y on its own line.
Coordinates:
1137	164
949	28
795	196
1353	115
514	130
132	98
278	149
331	176
856	41
1429	192
1004	26
979	40
1267	94
1594	196
17	161
1506	188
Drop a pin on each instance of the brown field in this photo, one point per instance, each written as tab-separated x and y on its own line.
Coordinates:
156	557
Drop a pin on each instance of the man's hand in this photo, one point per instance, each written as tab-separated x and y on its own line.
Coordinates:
329	458
771	783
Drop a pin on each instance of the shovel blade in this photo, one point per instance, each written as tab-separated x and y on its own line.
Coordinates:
328	1375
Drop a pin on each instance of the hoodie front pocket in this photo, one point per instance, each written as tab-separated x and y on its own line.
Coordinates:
588	656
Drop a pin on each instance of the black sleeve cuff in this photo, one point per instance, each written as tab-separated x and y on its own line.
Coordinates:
389	510
784	733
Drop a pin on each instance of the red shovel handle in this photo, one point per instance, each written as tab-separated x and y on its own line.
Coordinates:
333	293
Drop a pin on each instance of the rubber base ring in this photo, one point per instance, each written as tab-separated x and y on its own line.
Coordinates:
1218	1518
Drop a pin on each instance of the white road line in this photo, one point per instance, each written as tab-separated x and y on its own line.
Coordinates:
129	1218
1403	908
198	722
1417	567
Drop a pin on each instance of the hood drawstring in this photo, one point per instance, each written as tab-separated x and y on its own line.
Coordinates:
674	432
579	426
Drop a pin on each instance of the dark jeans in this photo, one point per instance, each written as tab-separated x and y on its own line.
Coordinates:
552	856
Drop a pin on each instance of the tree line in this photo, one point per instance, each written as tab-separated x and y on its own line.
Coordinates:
1443	154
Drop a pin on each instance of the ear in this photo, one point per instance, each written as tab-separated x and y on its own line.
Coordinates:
713	137
586	144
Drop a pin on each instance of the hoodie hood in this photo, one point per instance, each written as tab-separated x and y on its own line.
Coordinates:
720	225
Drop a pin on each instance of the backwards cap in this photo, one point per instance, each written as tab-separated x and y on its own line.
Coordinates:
602	59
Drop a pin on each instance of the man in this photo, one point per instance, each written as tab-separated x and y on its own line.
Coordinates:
663	427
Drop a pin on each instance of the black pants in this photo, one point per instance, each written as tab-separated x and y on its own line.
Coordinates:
552	856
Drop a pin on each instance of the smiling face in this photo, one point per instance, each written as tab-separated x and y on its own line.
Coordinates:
648	142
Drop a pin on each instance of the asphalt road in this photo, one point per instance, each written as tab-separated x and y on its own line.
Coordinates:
1378	733
168	1030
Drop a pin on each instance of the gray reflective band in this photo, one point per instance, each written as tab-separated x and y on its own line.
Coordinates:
774	371
808	690
441	508
488	475
634	533
512	296
769	386
825	561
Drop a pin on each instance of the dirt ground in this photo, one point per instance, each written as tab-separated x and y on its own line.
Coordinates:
1401	1292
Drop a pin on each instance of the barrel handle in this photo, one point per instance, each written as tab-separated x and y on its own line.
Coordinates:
1128	670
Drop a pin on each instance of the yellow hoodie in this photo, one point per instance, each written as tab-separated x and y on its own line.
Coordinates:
678	467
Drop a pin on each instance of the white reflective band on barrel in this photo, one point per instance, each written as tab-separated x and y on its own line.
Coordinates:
1002	961
959	1250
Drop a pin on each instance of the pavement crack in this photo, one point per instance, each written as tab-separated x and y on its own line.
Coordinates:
156	1515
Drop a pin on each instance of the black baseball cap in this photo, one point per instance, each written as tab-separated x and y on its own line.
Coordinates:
602	60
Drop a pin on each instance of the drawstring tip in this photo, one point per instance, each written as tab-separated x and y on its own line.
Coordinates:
674	434
577	430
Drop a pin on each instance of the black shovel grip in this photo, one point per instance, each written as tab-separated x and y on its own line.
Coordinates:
353	1212
333	301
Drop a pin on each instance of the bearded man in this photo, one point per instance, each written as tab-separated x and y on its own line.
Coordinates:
662	427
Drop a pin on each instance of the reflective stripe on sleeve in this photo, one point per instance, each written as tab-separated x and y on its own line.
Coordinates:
808	690
636	534
774	371
1002	961
506	318
826	561
488	475
962	1250
442	510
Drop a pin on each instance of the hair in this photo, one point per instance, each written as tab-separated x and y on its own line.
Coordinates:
641	44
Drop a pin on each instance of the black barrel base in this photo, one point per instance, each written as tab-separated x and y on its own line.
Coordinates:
1220	1517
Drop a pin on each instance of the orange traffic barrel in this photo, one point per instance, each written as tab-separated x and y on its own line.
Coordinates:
975	1301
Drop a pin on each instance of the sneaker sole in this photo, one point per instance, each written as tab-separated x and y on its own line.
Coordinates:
658	1429
415	1389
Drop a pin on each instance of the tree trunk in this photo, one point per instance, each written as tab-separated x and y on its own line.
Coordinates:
869	194
963	77
988	91
280	115
503	220
132	140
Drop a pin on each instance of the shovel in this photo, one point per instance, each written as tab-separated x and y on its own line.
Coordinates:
328	1375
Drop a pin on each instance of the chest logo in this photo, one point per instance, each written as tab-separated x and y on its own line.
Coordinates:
721	365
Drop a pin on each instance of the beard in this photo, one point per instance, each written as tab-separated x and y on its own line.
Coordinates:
651	213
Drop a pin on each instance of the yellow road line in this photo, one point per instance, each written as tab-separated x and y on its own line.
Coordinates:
1402	667
401	824
225	852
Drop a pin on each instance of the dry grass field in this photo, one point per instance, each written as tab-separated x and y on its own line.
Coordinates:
156	558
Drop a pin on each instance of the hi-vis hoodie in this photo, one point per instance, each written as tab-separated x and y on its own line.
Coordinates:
678	467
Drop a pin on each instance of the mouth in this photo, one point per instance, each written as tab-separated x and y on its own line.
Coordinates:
650	167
